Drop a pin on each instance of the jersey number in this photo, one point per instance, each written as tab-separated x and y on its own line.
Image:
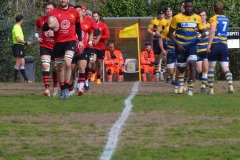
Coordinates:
224	25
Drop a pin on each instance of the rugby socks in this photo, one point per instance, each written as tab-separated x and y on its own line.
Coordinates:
81	80
181	79
89	73
62	85
228	76
190	85
204	80
46	79
16	70
55	79
210	79
22	70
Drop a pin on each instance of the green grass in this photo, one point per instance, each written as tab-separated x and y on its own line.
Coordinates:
162	126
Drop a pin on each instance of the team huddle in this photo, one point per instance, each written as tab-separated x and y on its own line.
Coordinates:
73	39
191	45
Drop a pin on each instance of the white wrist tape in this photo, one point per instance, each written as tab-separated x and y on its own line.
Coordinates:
90	42
36	35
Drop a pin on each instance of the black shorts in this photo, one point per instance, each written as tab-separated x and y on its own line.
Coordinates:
18	50
59	49
46	51
100	53
84	56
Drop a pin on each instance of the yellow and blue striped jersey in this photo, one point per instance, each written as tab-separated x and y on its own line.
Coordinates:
163	24
222	23
154	25
170	43
202	43
186	27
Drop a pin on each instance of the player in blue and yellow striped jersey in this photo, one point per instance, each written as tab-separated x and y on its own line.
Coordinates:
185	24
171	55
152	28
202	55
162	25
217	46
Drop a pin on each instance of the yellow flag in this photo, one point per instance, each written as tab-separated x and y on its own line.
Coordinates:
129	32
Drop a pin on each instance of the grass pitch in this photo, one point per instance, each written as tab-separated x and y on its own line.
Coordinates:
161	126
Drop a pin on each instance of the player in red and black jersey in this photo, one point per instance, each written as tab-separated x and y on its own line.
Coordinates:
99	44
65	41
46	51
81	57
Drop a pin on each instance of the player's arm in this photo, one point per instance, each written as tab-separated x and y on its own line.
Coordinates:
211	36
173	38
160	41
150	28
37	30
106	33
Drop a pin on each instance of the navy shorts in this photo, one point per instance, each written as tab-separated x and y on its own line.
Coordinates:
156	47
171	57
59	49
182	56
201	56
46	51
219	52
18	50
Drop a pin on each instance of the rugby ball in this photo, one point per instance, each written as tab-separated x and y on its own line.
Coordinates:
53	23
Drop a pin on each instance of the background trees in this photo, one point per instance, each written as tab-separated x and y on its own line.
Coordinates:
32	9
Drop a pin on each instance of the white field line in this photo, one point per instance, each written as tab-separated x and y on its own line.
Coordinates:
117	127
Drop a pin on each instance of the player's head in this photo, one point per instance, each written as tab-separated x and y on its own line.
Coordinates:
49	6
89	13
63	3
19	18
84	9
203	14
148	46
111	46
169	12
182	7
79	9
188	6
96	16
161	13
218	8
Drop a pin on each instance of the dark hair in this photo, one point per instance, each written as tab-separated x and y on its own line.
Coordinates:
201	10
95	12
110	42
51	3
19	18
78	6
218	7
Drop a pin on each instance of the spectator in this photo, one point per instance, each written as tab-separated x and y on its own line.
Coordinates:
147	62
114	61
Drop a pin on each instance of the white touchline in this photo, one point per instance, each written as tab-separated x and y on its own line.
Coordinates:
117	127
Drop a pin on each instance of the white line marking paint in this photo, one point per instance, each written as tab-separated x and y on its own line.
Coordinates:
117	127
